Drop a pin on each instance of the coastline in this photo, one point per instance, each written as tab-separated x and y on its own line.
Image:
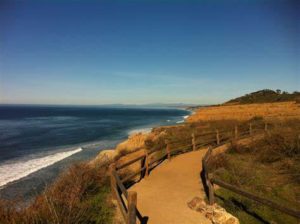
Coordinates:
23	182
136	140
134	144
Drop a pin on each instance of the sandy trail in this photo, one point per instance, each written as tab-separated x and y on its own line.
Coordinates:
163	196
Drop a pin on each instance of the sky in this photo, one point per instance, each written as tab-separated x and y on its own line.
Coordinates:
140	52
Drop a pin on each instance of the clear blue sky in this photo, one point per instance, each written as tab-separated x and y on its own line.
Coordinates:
99	52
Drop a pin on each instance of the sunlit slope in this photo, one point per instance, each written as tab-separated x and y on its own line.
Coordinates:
241	112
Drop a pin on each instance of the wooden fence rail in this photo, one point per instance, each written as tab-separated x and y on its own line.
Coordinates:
210	181
118	189
256	198
129	210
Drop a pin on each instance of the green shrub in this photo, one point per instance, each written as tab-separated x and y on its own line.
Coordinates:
268	167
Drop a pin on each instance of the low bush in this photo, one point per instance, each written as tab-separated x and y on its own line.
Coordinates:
268	166
80	195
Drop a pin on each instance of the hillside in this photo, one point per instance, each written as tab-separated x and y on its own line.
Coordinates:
243	112
266	96
265	103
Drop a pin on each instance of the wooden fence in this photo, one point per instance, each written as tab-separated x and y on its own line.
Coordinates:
119	191
209	181
127	200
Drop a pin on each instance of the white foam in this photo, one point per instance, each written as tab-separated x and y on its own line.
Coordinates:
141	130
15	171
184	118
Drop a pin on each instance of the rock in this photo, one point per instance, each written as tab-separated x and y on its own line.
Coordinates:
222	217
133	142
209	215
215	213
200	209
197	204
232	220
193	203
218	215
105	156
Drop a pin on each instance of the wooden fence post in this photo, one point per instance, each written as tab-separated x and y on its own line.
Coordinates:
132	199
168	152
250	128
193	142
209	184
266	127
211	194
146	163
218	137
113	183
236	132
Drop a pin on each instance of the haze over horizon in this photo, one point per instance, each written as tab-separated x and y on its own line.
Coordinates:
131	52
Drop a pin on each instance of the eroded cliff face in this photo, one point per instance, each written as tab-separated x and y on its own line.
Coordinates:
104	157
136	145
133	142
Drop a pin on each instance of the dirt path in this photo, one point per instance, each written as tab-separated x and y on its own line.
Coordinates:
163	196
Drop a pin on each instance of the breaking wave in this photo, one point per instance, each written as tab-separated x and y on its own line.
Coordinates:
17	170
140	130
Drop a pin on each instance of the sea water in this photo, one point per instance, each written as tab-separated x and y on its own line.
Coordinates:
38	142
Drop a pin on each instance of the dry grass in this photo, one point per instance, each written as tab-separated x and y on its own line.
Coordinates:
80	195
269	111
269	167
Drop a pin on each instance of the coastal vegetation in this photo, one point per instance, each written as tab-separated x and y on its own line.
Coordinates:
179	140
245	112
80	195
266	96
83	83
269	167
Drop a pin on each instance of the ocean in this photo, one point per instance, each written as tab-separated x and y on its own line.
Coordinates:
38	142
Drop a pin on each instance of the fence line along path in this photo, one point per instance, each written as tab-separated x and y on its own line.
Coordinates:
164	194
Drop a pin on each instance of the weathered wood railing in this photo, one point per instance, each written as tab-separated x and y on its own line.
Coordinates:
209	181
119	191
212	138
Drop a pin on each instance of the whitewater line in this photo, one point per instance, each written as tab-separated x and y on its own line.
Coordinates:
15	171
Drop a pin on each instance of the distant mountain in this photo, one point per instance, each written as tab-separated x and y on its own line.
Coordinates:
175	105
266	96
120	105
151	105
